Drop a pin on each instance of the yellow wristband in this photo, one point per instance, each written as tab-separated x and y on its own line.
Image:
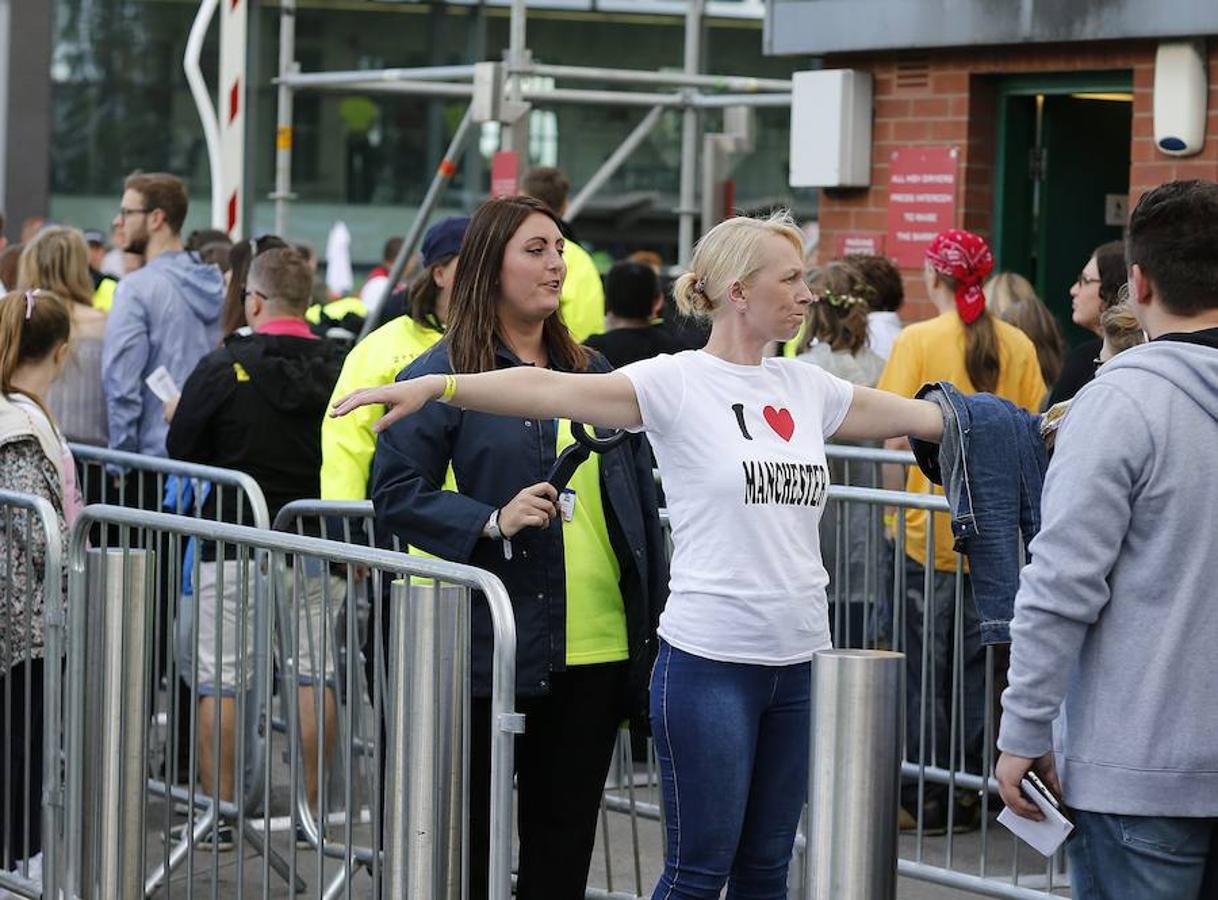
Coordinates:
450	388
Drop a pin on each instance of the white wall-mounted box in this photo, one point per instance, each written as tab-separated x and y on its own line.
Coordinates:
831	128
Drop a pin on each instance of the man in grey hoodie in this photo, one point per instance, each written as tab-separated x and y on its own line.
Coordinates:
1116	620
165	314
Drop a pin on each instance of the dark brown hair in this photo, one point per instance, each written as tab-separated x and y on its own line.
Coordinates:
549	185
474	309
884	278
838	314
424	294
1173	239
29	340
393	246
240	256
162	191
1110	260
10	257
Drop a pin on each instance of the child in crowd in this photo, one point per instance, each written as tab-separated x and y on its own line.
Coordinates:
837	334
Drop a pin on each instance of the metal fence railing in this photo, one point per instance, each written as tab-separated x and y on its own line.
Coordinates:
31	649
949	835
128	830
302	610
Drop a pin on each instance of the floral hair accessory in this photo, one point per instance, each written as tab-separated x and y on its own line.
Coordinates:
838	301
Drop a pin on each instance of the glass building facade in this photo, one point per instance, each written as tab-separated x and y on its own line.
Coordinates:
120	103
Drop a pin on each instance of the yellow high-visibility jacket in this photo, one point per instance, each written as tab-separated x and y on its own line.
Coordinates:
347	444
103	297
582	303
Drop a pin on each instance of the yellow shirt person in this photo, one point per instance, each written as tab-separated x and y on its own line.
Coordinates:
348	443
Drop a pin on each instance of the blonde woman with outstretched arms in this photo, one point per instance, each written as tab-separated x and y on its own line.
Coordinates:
739	439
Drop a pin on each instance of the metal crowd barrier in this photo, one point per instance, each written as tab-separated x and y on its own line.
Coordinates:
120	814
130	794
159	484
31	793
167	485
361	708
979	857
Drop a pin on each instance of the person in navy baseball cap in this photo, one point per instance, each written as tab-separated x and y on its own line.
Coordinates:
441	244
443	240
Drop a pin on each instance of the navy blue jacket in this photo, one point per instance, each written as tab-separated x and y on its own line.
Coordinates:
493	459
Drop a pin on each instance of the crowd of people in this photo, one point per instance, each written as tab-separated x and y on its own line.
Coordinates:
453	394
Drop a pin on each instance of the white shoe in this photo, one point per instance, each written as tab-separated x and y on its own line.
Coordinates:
34	875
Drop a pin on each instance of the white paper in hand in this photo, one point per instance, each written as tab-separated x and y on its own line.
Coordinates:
160	382
1045	837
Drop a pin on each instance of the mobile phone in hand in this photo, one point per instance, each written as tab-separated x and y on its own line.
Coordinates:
1031	779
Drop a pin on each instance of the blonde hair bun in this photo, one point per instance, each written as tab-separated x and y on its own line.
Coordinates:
732	251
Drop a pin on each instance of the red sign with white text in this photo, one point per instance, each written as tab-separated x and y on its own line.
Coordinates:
505	174
860	243
921	200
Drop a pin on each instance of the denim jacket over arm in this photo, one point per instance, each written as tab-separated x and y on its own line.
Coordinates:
493	458
991	464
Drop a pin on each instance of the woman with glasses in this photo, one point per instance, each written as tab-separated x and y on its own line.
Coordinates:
1094	291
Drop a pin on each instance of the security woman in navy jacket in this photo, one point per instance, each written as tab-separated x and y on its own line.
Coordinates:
586	571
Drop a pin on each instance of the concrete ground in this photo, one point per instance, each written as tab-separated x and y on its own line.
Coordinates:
246	874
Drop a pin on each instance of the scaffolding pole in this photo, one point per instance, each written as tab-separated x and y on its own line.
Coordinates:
734	83
364	76
514	135
687	208
361	77
614	162
283	115
692	92
549	96
444	173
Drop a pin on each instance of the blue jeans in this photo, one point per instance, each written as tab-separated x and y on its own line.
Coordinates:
733	742
1116	857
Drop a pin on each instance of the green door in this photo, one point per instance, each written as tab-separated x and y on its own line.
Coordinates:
1063	155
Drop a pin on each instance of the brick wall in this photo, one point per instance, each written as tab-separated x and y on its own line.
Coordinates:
949	97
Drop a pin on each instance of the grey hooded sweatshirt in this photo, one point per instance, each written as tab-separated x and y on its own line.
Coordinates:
165	314
1117	613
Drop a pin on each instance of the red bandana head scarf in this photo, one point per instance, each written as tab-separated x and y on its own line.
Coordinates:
966	259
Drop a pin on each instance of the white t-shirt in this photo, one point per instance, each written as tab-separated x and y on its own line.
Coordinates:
741	451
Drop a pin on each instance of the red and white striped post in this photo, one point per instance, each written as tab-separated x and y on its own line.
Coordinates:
234	23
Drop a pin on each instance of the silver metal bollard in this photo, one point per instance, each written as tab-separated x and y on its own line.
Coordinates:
858	715
120	638
426	803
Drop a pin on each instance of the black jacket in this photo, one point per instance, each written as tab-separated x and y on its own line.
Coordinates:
256	405
624	346
493	458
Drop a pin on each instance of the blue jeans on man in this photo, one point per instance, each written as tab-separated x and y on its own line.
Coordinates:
732	741
1114	857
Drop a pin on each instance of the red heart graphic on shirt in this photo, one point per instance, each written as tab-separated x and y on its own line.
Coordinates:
780	420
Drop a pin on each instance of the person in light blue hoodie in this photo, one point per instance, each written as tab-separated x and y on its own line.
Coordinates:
1113	682
165	314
